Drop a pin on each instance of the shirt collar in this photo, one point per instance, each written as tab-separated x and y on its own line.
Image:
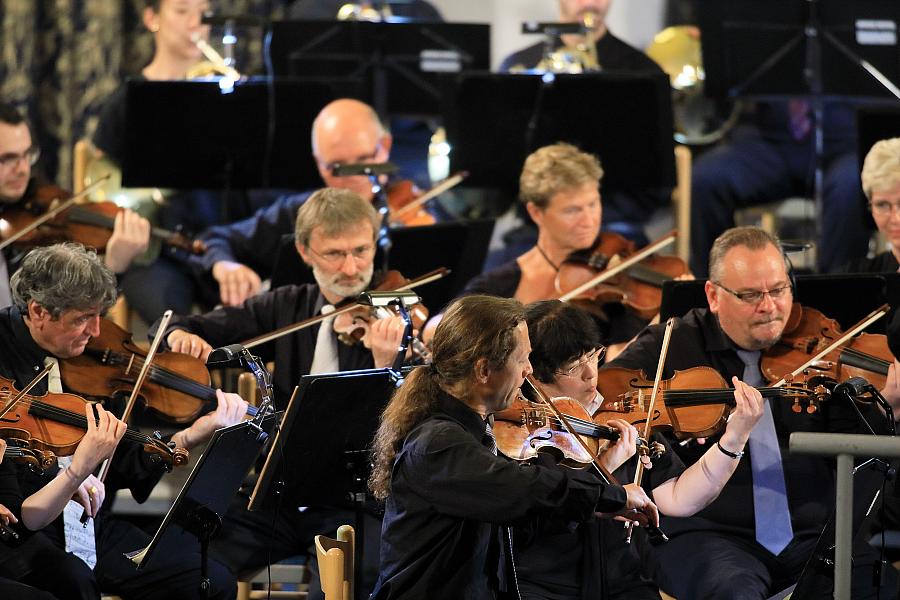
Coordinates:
23	337
470	420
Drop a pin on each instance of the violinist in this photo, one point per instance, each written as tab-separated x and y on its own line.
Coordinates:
755	538
18	154
449	498
59	294
241	254
335	236
561	563
560	188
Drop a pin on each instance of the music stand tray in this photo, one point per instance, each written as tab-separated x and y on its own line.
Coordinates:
202	502
624	118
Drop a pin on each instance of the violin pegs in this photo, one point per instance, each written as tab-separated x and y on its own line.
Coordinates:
795	407
812	407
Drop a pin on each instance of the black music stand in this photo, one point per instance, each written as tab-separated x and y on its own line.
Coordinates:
395	67
189	134
845	298
321	454
624	118
201	503
458	246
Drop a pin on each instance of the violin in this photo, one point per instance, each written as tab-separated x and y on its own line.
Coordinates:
693	403
177	387
406	202
56	422
638	287
88	223
18	449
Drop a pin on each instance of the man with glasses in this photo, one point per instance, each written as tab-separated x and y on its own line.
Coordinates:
565	350
18	154
241	254
756	537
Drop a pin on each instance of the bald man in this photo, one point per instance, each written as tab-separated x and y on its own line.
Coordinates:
241	254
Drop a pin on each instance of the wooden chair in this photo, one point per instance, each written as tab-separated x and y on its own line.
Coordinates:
281	574
681	201
336	563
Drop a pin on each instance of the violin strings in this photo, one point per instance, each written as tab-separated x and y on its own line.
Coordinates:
169	379
865	356
67	417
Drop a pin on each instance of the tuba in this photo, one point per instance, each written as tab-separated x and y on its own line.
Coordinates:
581	58
697	118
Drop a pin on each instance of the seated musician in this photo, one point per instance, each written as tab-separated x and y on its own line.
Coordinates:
335	236
60	293
448	496
33	560
239	255
18	185
563	563
755	538
559	187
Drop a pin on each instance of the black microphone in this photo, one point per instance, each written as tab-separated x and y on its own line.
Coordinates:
852	388
226	356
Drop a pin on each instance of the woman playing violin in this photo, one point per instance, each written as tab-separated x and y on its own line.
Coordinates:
59	294
446	492
754	539
560	563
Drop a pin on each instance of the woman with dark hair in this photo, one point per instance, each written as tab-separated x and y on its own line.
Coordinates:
448	495
559	562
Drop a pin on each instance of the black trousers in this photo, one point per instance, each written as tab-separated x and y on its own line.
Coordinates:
44	570
20	591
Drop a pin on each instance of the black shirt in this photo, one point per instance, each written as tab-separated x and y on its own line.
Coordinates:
698	340
293	354
885	262
448	495
612	54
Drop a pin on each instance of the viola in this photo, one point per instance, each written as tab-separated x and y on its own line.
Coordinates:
89	223
177	387
868	356
19	450
56	422
693	403
638	287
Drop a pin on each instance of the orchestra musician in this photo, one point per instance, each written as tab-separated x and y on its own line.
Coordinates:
560	188
755	538
448	496
60	293
335	235
561	563
18	154
881	185
241	254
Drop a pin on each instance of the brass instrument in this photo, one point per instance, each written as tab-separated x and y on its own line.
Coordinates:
697	121
213	65
364	11
580	58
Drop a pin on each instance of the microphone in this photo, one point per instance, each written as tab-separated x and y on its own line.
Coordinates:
368	169
852	388
226	356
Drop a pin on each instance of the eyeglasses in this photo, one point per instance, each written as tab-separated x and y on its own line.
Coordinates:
590	360
11	159
883	208
755	297
337	257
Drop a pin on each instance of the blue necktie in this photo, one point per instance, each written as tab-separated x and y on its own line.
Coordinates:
770	505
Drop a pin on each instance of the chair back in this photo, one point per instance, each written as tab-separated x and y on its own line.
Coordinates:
335	558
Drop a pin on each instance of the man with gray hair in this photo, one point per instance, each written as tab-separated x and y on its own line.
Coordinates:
60	295
756	537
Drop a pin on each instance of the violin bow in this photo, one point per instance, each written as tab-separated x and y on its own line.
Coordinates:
635	258
135	392
871	318
15	400
53	212
447	184
644	459
268	337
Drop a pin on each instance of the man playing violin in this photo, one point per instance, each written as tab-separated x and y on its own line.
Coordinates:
561	563
560	188
755	538
18	154
241	254
60	293
449	499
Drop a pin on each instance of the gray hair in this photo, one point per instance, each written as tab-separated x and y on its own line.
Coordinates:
334	210
63	277
881	169
753	238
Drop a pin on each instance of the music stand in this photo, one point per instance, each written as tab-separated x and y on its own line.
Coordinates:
845	298
459	246
188	134
201	503
624	118
321	454
395	67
